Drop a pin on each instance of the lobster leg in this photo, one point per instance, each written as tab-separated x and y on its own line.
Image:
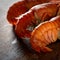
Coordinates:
45	16
39	46
45	49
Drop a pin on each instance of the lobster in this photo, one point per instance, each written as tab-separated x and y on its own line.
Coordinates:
44	34
29	20
25	24
21	7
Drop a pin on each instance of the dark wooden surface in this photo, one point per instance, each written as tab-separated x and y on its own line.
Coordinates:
11	48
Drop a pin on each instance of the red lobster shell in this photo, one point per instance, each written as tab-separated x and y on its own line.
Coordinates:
27	21
21	7
25	24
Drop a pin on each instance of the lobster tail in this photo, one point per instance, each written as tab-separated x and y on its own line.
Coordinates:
45	33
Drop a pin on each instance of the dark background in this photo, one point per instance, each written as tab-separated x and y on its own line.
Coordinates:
12	48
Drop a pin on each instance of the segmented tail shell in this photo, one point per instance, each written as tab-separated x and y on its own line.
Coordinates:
44	34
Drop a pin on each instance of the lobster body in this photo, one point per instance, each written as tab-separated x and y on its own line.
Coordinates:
25	24
44	34
21	7
27	21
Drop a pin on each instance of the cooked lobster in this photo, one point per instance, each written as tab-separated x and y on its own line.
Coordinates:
25	24
27	21
44	34
21	7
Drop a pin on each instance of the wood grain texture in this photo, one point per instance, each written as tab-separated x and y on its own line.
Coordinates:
11	48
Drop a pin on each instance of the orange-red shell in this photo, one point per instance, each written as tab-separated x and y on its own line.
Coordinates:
44	34
33	17
21	7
